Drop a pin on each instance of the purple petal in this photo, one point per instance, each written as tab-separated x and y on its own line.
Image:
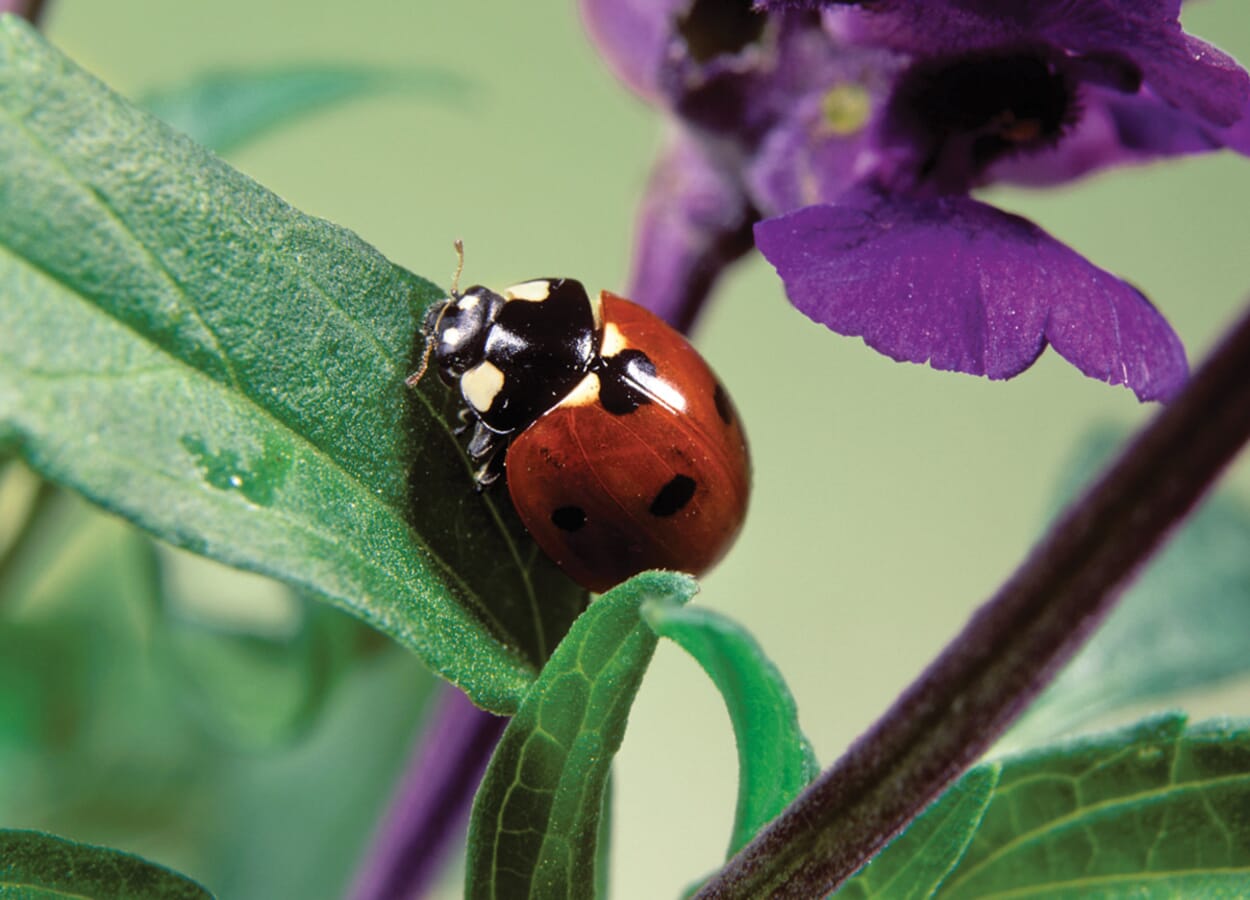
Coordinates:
1191	74
1185	71
1119	130
966	287
694	221
633	36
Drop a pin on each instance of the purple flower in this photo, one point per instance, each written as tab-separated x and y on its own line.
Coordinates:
891	112
955	283
1055	89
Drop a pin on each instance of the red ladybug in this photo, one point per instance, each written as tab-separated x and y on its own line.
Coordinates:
622	450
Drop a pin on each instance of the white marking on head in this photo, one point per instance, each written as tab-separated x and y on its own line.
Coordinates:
468	301
480	385
535	291
586	392
451	335
613	340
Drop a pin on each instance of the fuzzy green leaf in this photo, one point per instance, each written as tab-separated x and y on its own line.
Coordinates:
190	352
223	110
775	759
1158	810
37	865
1184	624
915	863
536	816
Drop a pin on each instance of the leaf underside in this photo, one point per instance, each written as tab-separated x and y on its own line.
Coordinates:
1183	625
775	760
1157	810
916	862
537	814
192	353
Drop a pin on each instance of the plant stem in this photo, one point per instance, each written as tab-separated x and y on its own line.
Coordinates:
432	804
1010	648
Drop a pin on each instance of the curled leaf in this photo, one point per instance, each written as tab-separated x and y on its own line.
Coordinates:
536	818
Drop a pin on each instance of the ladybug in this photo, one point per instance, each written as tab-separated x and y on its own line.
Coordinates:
620	448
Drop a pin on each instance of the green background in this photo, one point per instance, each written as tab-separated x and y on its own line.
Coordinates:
889	499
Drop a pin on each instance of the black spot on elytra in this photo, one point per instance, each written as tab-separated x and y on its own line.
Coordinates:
569	518
621	380
724	408
673	496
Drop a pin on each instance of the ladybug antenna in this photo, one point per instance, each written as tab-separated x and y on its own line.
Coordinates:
455	279
430	326
412	379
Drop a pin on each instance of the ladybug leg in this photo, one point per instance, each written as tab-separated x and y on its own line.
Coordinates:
487	447
488	473
485	442
465	415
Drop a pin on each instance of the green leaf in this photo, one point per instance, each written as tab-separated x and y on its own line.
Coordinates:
94	744
775	759
190	352
915	863
536	815
1157	810
37	865
256	691
98	745
225	109
1184	624
324	792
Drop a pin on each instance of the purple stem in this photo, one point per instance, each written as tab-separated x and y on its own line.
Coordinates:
431	807
27	9
1009	650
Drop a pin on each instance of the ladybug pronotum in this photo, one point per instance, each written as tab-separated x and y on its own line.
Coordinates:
620	448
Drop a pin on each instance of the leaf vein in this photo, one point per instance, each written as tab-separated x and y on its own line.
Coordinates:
1024	838
179	290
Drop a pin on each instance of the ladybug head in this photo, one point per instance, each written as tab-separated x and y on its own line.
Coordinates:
457	329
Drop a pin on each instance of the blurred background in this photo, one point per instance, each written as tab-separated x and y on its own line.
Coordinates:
210	721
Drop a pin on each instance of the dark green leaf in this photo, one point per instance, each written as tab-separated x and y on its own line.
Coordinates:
1157	810
1184	624
915	863
775	760
536	816
33	864
225	109
192	353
